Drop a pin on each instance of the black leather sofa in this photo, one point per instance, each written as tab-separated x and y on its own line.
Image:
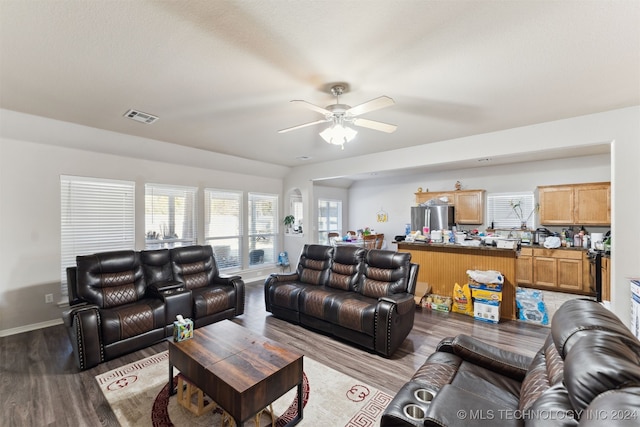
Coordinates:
359	295
587	373
122	301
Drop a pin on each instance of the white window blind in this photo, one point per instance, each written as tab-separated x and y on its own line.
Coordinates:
170	216
263	228
510	210
97	215
223	226
329	219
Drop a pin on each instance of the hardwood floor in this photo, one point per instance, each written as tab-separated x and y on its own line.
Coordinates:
40	385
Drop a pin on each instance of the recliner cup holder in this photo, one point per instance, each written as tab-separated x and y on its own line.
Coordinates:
414	412
423	395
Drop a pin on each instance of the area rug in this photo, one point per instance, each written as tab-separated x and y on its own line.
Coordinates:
138	395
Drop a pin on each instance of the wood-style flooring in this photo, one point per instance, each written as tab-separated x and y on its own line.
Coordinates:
40	385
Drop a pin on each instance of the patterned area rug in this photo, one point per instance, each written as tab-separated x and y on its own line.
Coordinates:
138	395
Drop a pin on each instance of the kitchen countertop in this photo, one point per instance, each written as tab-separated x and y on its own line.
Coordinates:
481	247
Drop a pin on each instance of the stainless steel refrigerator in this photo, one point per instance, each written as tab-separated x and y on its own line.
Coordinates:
436	217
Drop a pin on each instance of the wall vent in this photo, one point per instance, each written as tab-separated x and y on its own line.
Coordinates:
141	117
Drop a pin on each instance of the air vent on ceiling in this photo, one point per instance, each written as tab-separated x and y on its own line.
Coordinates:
141	117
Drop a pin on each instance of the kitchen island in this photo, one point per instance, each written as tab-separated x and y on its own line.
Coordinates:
444	265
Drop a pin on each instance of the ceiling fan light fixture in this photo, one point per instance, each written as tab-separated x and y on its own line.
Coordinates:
338	134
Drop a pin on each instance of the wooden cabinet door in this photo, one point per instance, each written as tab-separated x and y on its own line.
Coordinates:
524	270
593	204
556	205
569	274
545	271
469	207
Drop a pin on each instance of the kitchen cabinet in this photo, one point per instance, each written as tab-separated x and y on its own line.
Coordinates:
524	267
469	203
553	269
575	204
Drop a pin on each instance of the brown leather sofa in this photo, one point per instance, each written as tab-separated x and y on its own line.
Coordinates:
362	296
122	301
587	373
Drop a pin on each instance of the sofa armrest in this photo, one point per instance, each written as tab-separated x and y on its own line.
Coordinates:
158	288
504	362
283	277
404	302
83	325
453	406
445	345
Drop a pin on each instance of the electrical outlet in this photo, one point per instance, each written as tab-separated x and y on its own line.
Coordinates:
48	299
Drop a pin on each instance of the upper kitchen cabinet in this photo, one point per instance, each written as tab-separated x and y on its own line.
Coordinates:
469	204
576	204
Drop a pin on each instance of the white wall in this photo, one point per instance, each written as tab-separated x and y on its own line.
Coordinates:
620	128
30	216
396	194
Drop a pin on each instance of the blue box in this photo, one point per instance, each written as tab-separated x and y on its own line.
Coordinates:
182	331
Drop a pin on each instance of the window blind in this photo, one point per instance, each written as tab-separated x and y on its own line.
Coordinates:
263	228
96	215
510	210
170	216
223	226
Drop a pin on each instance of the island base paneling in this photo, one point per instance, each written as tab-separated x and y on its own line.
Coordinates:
442	266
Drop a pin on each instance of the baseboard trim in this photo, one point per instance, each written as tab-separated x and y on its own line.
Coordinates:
31	327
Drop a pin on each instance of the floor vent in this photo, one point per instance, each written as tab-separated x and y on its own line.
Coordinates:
141	117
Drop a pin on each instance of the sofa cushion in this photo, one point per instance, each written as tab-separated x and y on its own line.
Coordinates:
346	267
385	273
314	264
130	320
599	362
110	279
194	266
212	300
545	370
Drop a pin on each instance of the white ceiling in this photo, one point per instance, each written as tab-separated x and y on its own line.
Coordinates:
220	74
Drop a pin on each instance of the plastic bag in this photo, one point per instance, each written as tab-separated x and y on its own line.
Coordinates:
462	302
489	276
552	242
531	307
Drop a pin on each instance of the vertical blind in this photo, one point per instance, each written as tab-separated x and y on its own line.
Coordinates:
223	226
170	216
510	210
263	228
97	215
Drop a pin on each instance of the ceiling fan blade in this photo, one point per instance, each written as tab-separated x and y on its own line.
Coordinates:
374	104
372	124
303	126
312	107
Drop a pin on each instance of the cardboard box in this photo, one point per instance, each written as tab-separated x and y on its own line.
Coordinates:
182	331
486	294
494	287
487	311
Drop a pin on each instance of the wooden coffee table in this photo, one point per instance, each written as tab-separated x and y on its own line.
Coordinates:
242	372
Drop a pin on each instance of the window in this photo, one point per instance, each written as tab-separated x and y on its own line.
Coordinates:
296	209
329	219
510	210
223	226
169	216
263	228
96	216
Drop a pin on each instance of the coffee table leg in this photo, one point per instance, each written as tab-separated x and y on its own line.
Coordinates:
298	417
172	390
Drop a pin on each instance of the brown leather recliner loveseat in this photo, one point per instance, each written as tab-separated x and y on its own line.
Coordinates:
587	373
359	295
122	301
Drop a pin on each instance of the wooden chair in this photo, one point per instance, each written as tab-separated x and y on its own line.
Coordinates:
332	235
369	241
379	240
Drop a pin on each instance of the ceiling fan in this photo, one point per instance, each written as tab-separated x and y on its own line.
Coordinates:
340	114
